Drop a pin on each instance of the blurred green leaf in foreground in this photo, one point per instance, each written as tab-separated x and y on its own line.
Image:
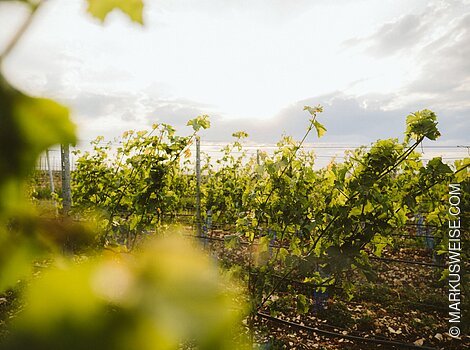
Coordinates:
164	296
101	8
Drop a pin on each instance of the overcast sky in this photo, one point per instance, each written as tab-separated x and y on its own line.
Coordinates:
252	65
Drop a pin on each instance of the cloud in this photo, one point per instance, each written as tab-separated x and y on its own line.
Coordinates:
128	110
445	65
435	43
245	58
395	37
349	119
281	9
175	111
412	31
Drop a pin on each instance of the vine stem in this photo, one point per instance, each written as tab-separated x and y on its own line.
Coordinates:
21	31
402	158
290	162
252	315
114	208
312	248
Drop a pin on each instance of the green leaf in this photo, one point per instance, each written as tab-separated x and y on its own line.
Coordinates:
167	293
15	261
101	8
320	128
302	304
28	126
348	288
44	122
462	166
240	134
199	122
400	217
356	211
313	110
421	124
436	167
379	242
283	253
263	244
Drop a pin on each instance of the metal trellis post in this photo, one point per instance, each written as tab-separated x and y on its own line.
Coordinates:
66	190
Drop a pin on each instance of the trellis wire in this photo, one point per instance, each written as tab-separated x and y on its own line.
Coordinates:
341	335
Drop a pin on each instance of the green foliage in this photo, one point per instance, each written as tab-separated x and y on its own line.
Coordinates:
325	220
101	8
303	304
289	302
200	122
240	134
27	127
318	126
223	188
164	296
167	294
321	223
421	124
142	182
136	186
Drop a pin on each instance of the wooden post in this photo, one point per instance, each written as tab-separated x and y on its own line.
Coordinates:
66	190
